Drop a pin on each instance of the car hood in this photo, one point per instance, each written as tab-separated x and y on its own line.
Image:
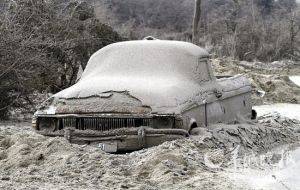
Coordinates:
160	95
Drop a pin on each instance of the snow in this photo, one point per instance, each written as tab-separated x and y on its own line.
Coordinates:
295	79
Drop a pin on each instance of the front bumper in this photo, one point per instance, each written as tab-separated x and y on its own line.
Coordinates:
126	139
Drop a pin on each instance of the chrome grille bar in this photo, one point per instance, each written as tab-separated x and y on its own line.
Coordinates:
101	124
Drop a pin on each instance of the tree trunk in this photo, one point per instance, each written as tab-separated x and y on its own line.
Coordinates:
197	16
293	35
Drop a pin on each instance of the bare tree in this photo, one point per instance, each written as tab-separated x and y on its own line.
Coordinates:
41	47
197	16
294	29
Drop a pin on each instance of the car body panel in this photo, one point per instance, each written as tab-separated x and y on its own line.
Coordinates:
152	86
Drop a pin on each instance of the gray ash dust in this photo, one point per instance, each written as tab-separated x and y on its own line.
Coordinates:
32	161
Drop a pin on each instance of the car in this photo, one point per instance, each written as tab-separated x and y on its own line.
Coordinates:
138	94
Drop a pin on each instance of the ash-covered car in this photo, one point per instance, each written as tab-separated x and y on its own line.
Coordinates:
138	94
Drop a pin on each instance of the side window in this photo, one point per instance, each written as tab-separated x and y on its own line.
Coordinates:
202	71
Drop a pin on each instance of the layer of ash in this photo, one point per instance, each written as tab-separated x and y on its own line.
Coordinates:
29	160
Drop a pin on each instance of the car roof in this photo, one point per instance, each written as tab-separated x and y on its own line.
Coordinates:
147	57
163	49
157	72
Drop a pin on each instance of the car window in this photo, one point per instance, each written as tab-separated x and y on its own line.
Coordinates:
202	72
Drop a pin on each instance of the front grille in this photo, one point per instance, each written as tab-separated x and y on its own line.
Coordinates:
100	124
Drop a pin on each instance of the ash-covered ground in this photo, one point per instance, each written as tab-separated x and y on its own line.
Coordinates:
278	81
205	161
262	154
